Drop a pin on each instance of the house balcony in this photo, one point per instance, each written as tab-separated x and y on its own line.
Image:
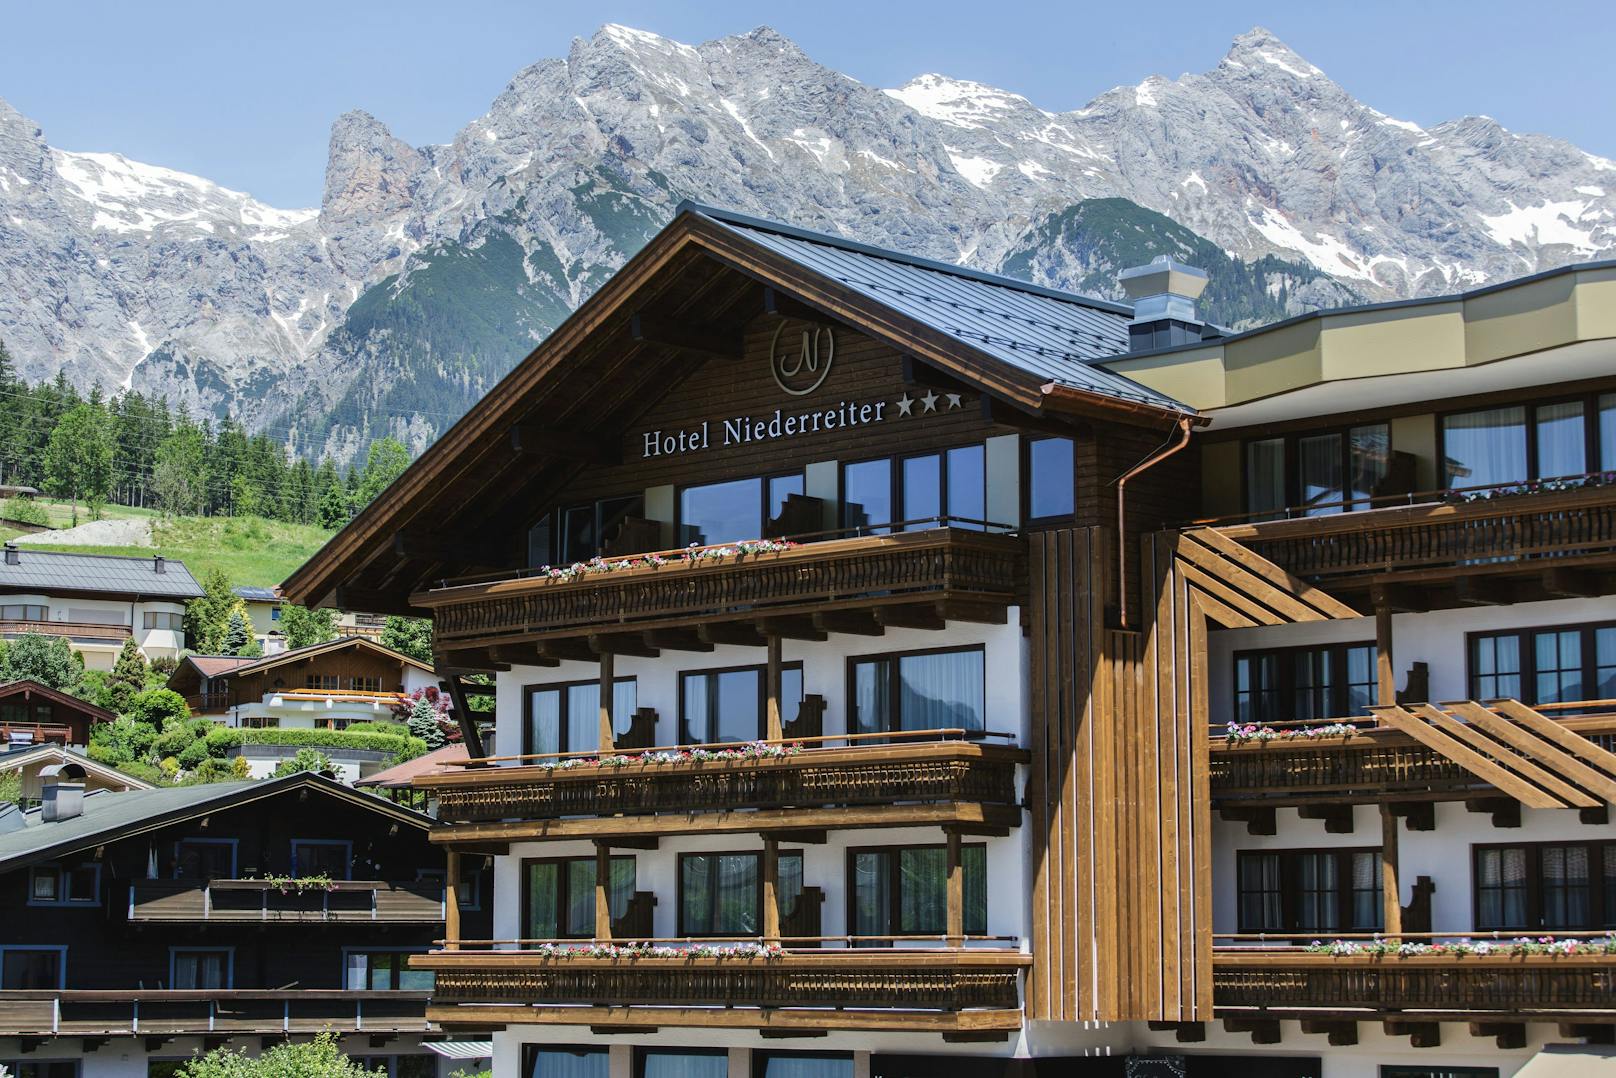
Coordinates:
1255	984
36	733
77	631
1460	752
1510	547
154	1013
244	901
910	578
959	991
914	779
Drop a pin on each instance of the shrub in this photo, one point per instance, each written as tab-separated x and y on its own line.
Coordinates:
405	748
158	707
128	677
211	770
123	740
193	755
25	511
397	729
319	1058
49	660
304	760
143	771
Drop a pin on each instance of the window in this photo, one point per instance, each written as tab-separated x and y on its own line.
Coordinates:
903	890
201	967
721	894
566	718
274	613
383	971
1320	473
731	705
683	1063
33	967
322	857
559	896
470	891
1388	1070
1309	890
565	1062
1519	443
1544	666
1527	887
930	490
580	532
205	859
1051	487
802	1064
17	713
734	510
867	496
325	682
23	612
1291	684
42	1068
64	885
163	619
926	690
365	684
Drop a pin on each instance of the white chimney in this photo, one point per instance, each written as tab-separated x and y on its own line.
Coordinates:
63	793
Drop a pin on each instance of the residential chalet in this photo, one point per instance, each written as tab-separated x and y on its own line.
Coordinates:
1073	667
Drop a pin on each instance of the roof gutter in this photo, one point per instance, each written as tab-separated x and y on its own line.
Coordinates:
1068	399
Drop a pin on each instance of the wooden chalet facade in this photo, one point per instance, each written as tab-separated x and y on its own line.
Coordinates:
157	923
855	621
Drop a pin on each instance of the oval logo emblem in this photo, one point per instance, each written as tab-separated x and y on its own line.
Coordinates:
800	355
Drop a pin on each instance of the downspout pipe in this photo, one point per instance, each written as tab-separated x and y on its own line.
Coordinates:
1185	423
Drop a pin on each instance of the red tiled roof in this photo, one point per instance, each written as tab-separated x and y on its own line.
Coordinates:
214	665
401	774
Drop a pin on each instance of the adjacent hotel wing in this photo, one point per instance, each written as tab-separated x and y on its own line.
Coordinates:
900	670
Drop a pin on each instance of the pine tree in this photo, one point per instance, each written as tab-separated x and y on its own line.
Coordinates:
207	620
423	723
128	676
236	636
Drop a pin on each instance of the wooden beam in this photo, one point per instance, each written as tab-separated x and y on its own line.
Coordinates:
1391	893
1419	1034
440	547
1385	672
567	649
756	1018
608	666
1262	1030
1340	1034
955	901
603	881
794	626
468	661
529	438
778	303
509	655
1337	818
373	601
1574	583
1417	815
1400	598
470	736
1505	811
771	889
451	899
852	622
1506	1034
604	644
1482	591
741	633
803	838
630	842
774	675
686	336
911	616
676	640
1259	819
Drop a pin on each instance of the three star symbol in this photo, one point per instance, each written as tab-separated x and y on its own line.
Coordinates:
906	403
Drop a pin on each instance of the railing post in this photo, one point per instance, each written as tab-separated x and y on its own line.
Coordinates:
608	666
603	893
774	727
451	899
771	885
956	891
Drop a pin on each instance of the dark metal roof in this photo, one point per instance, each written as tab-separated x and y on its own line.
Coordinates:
48	572
1053	335
257	595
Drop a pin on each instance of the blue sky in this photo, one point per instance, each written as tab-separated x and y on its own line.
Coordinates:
244	94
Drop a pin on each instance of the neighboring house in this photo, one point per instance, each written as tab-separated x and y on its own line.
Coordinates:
264	607
30	760
326	686
139	928
32	714
396	783
96	601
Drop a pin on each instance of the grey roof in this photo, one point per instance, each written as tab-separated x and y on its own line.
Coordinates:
111	815
256	595
1053	335
49	572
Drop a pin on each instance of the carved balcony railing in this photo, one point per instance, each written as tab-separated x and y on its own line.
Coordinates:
862	784
1372	763
88	632
71	1013
1457	986
979	573
349	901
1502	535
721	990
35	733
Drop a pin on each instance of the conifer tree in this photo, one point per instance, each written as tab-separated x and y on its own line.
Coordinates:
128	676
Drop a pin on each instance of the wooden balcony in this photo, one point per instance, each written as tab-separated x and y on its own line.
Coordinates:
921	990
1372	764
205	702
35	733
953	781
73	1013
86	632
240	901
1297	984
917	576
1520	546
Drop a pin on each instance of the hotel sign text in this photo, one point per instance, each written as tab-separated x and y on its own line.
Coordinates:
747	430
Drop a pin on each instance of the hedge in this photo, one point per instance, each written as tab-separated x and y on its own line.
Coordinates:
405	748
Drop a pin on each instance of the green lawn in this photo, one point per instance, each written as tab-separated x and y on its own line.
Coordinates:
60	513
252	551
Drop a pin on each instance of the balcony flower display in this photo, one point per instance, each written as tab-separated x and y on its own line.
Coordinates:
1520	945
301	884
1540	486
1242	734
695	554
755	750
646	950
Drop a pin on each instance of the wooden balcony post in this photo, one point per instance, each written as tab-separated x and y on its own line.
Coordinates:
608	666
771	889
1385	672
603	890
451	899
1390	893
956	891
774	728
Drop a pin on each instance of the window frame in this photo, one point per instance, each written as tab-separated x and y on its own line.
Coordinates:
1336	652
60	950
760	1059
757	856
531	1050
894	890
398	971
1590	434
347	848
762	671
1290	890
765	482
896	491
895	693
471	881
1027	442
1534	884
232	843
1526	635
643	1050
566	716
564	869
229	952
1293	507
62	872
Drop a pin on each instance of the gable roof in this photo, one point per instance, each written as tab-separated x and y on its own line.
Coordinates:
52	572
214	665
235	665
19	758
111	816
403	774
34	688
1024	348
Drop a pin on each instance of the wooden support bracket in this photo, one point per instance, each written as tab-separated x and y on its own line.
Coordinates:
1337	818
1506	1034
1416	815
1262	1030
1340	1034
1506	811
1259	820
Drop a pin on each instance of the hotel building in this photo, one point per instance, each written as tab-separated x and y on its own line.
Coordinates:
1090	686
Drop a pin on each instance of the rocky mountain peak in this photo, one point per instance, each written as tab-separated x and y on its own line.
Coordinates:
23	153
1260	50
